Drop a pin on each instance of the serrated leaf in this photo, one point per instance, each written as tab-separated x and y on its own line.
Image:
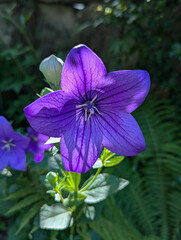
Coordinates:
29	215
113	161
103	186
24	203
54	217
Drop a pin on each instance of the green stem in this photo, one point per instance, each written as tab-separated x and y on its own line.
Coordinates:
90	183
72	230
76	187
80	213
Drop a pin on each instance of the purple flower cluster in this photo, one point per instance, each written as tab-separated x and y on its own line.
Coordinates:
37	144
14	146
92	110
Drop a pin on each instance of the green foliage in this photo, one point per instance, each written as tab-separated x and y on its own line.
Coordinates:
18	62
142	40
151	202
110	159
55	217
116	226
102	187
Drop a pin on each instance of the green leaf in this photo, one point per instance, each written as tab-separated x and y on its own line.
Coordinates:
103	186
113	161
20	193
29	215
89	212
54	217
55	163
24	203
51	178
74	200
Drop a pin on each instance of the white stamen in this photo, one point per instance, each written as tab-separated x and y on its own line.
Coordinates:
8	144
94	99
82	105
97	110
89	107
89	116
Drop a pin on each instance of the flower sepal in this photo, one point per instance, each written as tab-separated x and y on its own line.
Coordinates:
110	159
51	67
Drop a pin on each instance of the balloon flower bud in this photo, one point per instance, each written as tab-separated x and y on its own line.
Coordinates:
51	67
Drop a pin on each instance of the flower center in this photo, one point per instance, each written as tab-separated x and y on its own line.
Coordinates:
89	108
34	138
8	144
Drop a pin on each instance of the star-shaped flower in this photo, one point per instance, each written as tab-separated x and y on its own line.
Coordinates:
37	144
12	147
92	110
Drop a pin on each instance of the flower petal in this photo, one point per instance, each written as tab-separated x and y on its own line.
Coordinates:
81	145
121	133
42	139
6	129
20	140
38	156
125	90
3	159
83	71
17	159
51	114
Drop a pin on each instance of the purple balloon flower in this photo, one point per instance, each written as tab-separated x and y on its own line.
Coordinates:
12	147
37	144
92	110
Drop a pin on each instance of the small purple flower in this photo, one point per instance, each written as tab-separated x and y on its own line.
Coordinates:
37	144
92	110
12	147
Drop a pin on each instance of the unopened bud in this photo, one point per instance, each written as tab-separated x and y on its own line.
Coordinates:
51	67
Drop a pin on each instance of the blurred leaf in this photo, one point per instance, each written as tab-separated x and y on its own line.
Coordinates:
89	212
34	210
24	203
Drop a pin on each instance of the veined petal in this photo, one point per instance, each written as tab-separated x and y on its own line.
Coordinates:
83	71
121	133
6	129
125	90
81	145
51	114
